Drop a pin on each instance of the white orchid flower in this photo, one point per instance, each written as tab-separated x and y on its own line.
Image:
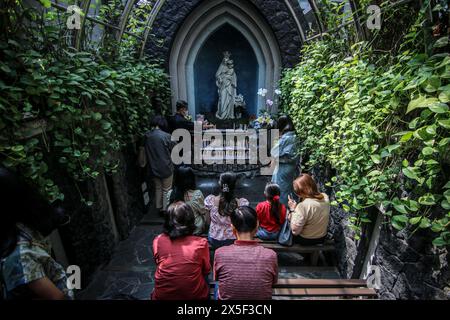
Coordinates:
262	92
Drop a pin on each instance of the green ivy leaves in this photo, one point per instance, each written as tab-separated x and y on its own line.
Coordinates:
384	129
91	109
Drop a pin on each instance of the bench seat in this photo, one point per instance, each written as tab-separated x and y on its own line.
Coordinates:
299	248
293	289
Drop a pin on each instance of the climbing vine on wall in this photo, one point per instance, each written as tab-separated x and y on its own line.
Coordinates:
383	128
87	107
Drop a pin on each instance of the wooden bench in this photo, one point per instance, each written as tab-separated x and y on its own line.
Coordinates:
295	289
316	251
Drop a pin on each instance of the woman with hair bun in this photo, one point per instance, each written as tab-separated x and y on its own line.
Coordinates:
220	209
271	213
182	260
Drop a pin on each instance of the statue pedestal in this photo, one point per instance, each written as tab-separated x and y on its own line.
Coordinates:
227	123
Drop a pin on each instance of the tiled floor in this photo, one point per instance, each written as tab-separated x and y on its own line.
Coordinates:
129	275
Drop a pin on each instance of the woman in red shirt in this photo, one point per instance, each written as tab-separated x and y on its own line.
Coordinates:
182	260
271	213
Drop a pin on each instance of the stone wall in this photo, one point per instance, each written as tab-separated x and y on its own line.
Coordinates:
117	206
411	267
126	192
276	13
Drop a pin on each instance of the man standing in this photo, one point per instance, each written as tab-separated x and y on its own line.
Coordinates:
180	119
158	149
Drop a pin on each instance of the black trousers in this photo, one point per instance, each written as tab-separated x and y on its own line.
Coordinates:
308	242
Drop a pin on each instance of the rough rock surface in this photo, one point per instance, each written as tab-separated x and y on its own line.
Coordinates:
89	240
174	12
411	268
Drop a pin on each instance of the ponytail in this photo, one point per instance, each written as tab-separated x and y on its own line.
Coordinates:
275	208
272	193
227	201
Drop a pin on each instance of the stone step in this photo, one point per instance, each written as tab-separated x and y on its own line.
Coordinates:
151	220
307	272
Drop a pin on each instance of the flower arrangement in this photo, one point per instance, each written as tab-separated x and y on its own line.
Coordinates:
264	121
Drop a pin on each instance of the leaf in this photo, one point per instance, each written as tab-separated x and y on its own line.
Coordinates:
105	73
439	108
97	116
5	68
413	205
444	142
400	208
399	222
436	227
415	220
410	173
445	204
392	147
439	242
427	200
400	218
376	158
46	3
441	42
431	130
427	151
422	134
447	195
106	125
445	123
421	102
18	148
425	223
413	123
444	96
407	136
433	84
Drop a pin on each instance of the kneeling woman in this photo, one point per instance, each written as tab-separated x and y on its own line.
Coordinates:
310	218
182	259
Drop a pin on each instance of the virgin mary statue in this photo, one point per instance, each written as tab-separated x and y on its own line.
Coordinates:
226	82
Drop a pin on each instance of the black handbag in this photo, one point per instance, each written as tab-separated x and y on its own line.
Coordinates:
285	237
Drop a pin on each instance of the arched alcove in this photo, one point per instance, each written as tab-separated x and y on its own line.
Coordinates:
201	25
225	38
